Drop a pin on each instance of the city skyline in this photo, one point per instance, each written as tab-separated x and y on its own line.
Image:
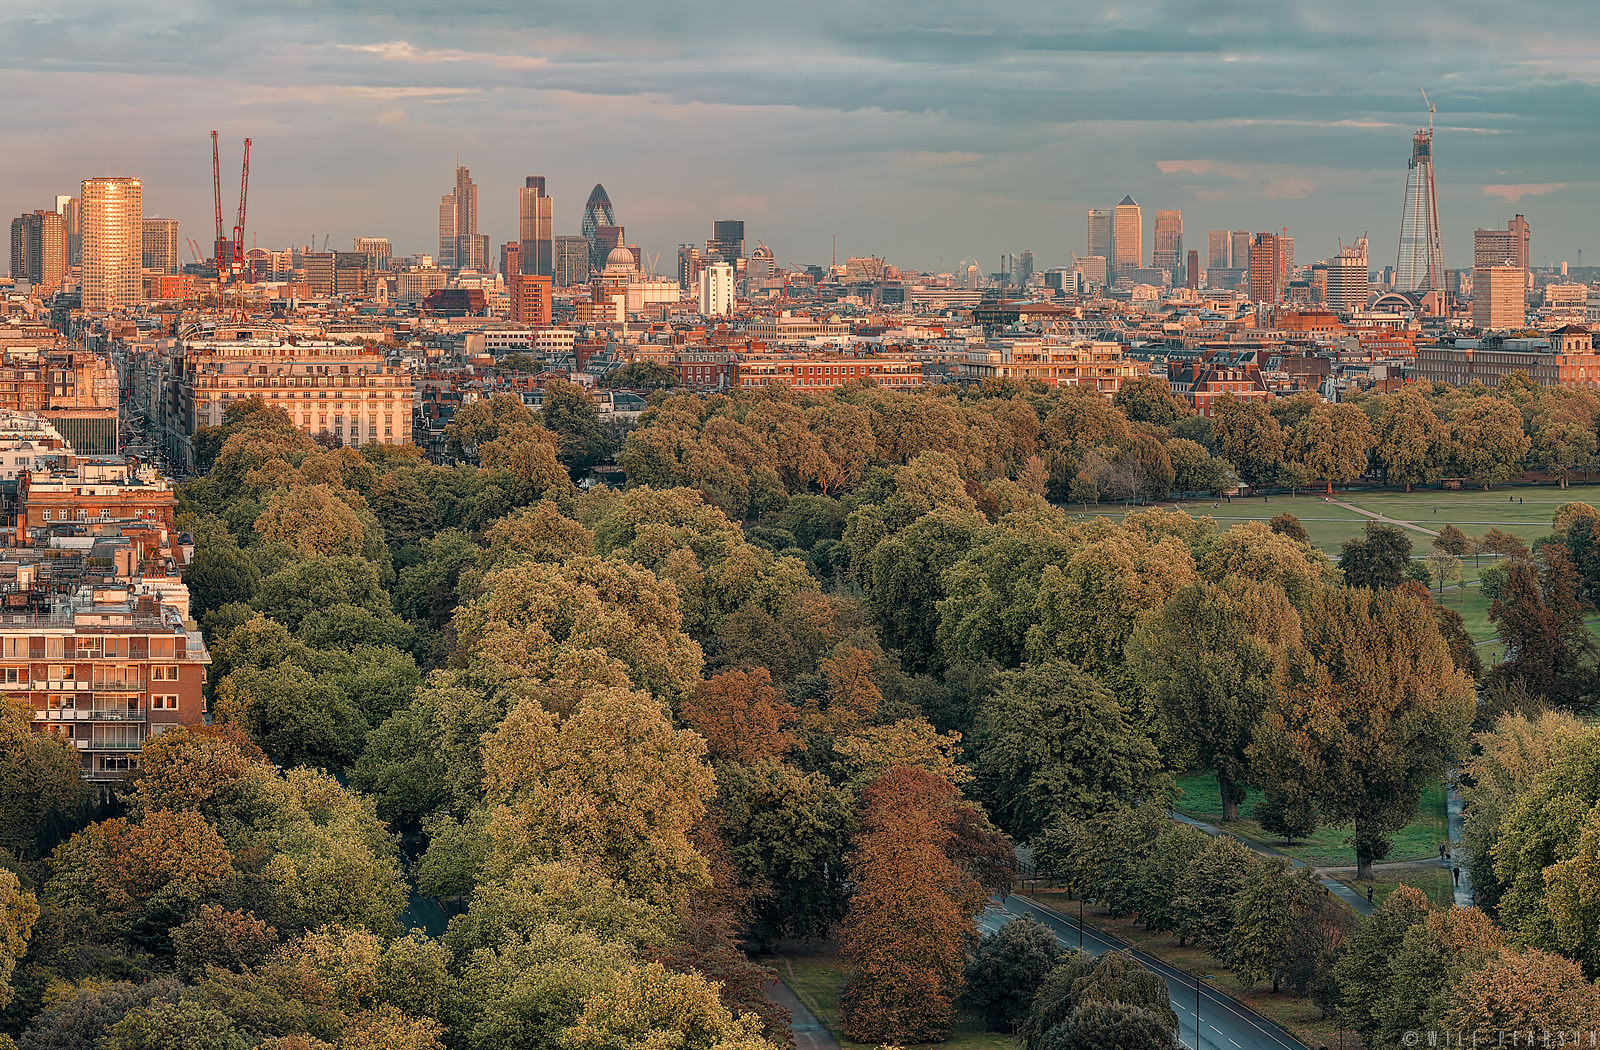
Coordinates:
864	129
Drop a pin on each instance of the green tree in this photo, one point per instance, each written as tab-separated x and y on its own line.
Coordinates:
1112	1026
1365	970
1539	614
570	413
1412	442
1149	399
1331	443
42	793
19	910
220	574
1377	560
1203	898
1251	439
642	375
1374	713
1054	740
1488	441
300	718
1273	903
1006	969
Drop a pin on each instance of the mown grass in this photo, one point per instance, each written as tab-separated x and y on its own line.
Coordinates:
1325	847
816	980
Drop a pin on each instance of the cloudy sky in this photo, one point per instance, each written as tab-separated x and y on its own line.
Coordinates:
929	133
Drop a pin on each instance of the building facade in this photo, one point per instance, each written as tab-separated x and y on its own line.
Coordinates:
113	243
1499	296
536	228
1127	236
1168	250
1511	246
1099	240
160	250
716	290
1266	269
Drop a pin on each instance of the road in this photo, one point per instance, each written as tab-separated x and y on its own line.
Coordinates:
1224	1024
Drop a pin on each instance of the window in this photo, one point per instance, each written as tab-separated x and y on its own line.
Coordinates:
165	702
13	675
164	673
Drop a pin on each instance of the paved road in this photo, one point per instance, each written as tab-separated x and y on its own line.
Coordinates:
809	1033
1458	846
1224	1024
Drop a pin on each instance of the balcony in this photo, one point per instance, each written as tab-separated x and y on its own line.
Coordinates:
70	714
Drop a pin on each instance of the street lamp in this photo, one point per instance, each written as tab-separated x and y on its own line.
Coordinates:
1197	979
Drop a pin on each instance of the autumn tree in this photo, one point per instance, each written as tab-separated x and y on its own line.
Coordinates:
1528	991
1378	559
1487	440
911	912
1287	525
1452	541
741	717
1251	439
1373	713
1539	614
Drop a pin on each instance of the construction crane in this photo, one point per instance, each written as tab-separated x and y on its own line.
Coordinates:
219	246
238	229
194	250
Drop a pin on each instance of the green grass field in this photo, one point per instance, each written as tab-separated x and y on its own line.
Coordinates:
1418	840
817	978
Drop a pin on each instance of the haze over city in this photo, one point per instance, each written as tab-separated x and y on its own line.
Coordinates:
923	140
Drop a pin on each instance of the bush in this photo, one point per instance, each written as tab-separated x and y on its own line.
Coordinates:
1006	970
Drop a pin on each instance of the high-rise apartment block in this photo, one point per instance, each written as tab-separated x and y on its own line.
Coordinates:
160	248
536	228
1349	283
1099	243
1218	256
39	250
572	261
716	290
1508	247
1266	269
1168	250
113	243
1499	297
71	211
1127	237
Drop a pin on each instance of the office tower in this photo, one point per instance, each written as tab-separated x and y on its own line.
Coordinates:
447	231
716	290
19	248
1099	243
1508	247
690	263
1349	284
71	211
377	250
39	250
531	301
113	243
1499	297
460	247
1239	250
1286	257
1217	255
727	241
572	260
1266	269
1420	265
536	228
160	248
597	212
1191	276
1168	248
1024	270
603	241
1127	237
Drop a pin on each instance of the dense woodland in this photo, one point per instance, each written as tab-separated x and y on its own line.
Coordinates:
811	677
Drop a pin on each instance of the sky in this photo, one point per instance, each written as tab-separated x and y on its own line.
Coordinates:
928	133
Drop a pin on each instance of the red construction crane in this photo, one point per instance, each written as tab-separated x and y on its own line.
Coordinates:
238	230
220	248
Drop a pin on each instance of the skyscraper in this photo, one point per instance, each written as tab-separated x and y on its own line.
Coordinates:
1499	296
1191	275
39	250
597	212
160	245
727	241
572	260
1511	246
460	246
536	228
1024	270
716	290
1239	250
1266	269
1127	237
1217	255
113	243
1349	279
71	211
1168	249
1420	265
1099	233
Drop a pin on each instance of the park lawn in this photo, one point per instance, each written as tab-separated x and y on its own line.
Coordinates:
1435	882
1297	1014
1326	846
816	979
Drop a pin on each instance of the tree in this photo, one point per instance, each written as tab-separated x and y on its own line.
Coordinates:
1006	969
79	1019
1210	675
1112	1026
1488	441
1528	991
1287	525
1540	617
741	717
482	421
183	1025
1273	903
1202	904
910	914
19	910
1453	541
570	413
1252	440
1378	560
649	1007
1054	740
1331	443
1445	568
1149	399
312	519
219	574
1374	713
910	743
1412	442
1365	969
1562	444
227	940
297	716
642	375
42	793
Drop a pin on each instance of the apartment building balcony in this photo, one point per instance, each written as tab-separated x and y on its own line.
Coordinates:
70	714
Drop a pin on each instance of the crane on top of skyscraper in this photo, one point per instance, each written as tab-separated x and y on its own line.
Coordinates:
1419	267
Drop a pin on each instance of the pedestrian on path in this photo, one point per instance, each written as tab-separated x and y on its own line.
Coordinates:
1369	894
1442	851
1455	875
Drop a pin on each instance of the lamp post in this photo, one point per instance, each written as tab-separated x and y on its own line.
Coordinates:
1197	979
1080	924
